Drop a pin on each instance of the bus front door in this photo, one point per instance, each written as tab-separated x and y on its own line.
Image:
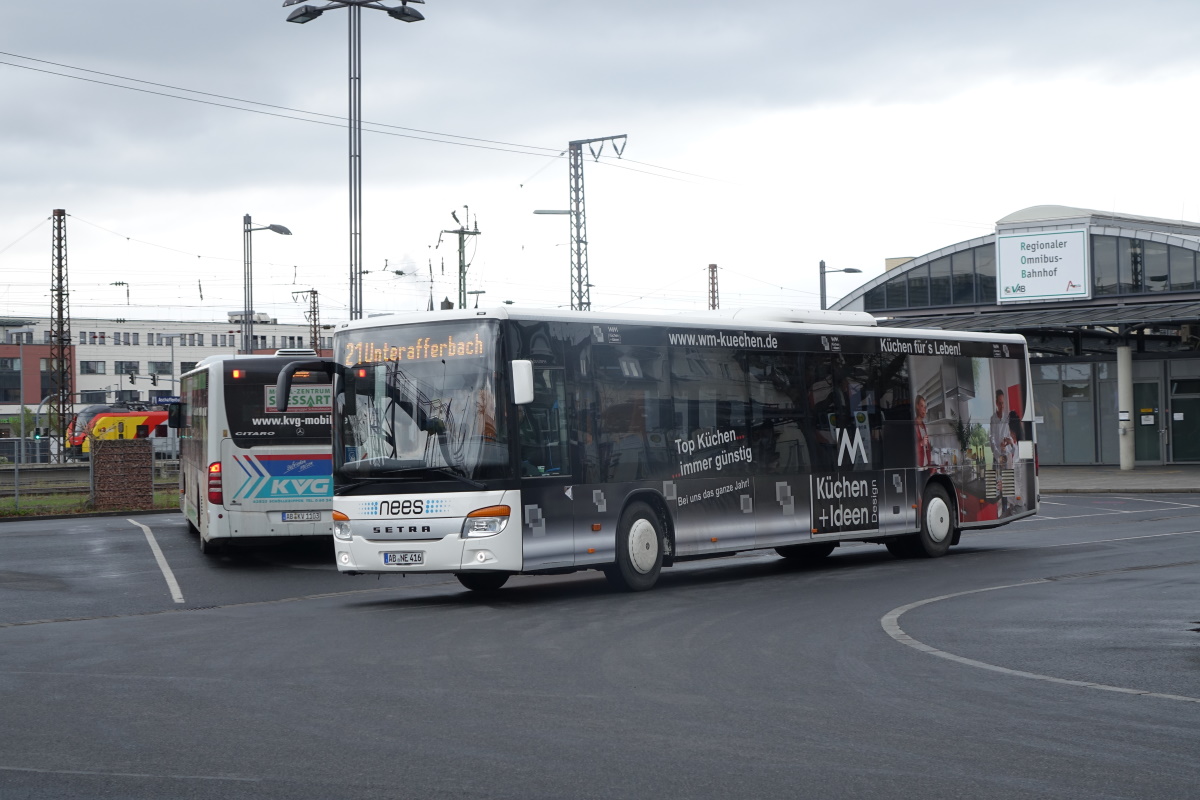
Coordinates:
547	516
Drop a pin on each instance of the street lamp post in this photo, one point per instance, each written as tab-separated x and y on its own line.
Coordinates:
823	271
248	280
307	13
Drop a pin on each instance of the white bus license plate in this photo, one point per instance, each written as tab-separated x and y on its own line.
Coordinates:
301	516
392	559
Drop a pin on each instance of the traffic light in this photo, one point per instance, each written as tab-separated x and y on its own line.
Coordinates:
153	379
131	377
37	433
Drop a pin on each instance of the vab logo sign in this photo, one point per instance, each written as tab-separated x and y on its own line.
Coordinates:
1016	288
851	442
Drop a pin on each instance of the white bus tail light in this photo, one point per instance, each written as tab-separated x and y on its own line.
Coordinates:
341	528
215	494
486	521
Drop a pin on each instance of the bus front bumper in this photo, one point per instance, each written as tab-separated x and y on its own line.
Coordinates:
453	553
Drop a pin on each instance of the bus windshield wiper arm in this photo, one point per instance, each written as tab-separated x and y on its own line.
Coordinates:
449	473
358	483
381	475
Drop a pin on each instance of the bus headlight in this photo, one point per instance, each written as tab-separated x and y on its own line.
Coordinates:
485	521
341	526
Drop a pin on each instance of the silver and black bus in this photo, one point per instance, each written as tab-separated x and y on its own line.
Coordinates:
500	442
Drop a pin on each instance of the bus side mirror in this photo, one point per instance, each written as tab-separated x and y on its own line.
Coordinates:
283	384
175	415
522	382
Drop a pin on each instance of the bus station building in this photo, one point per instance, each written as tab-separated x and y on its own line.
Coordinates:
1110	306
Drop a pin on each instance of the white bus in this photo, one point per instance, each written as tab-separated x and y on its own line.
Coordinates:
246	469
500	442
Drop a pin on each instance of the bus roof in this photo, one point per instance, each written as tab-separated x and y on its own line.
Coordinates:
771	319
222	357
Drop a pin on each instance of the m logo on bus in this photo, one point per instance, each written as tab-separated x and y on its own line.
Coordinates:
851	442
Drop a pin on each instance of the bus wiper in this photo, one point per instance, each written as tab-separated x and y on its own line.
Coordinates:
348	487
389	466
461	478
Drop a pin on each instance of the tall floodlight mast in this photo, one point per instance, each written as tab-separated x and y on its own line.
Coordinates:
308	13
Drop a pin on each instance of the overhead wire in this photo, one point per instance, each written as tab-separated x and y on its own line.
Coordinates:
467	141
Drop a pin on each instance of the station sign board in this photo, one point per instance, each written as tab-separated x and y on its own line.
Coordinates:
1049	265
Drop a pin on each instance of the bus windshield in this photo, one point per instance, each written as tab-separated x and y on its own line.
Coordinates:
424	404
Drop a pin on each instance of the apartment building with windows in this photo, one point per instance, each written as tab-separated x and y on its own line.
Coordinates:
124	360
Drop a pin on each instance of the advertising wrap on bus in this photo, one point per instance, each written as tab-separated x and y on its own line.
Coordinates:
288	478
507	442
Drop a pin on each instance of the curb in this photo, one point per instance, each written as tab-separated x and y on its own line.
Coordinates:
39	517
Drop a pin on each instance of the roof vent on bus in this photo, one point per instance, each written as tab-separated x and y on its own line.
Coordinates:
296	351
810	316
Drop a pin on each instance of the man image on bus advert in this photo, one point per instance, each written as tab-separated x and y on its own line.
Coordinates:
924	447
998	432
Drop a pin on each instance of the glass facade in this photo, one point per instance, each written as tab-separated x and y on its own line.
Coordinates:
1120	266
964	278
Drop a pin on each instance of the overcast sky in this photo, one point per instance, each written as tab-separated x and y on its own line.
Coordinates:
762	137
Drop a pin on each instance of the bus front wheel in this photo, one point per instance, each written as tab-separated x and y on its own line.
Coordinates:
639	550
482	581
937	528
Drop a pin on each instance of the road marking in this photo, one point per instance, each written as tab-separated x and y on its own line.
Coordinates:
1141	499
172	584
891	625
128	774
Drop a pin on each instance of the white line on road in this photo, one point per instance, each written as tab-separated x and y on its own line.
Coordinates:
891	625
172	584
129	774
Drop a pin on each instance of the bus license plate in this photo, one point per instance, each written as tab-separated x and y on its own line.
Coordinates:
404	558
301	516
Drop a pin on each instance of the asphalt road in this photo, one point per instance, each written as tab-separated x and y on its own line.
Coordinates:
1058	657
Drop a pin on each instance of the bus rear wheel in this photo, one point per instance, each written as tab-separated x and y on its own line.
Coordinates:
806	553
639	550
211	547
937	528
482	581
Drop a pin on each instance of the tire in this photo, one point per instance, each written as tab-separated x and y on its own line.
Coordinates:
902	546
938	528
211	547
807	553
639	550
482	581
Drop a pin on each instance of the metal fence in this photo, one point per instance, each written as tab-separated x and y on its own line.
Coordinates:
31	488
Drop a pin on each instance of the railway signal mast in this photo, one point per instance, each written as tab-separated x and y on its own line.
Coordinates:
62	353
581	294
